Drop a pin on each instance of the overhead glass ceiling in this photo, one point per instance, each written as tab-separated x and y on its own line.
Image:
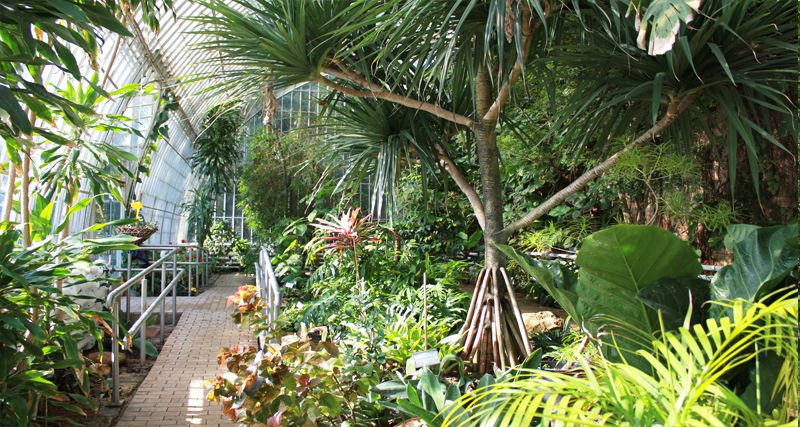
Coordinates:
168	60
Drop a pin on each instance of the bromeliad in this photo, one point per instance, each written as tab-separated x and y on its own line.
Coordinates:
345	233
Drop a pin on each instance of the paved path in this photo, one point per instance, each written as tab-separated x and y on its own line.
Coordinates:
173	393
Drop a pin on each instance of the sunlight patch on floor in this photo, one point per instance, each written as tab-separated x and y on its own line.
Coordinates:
195	402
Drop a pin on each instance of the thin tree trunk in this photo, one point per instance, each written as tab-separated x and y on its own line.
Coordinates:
489	161
464	185
12	182
493	334
25	207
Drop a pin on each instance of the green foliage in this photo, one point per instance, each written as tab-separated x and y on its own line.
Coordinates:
200	211
41	34
424	396
566	234
624	274
277	178
287	252
763	258
376	141
77	157
624	90
429	396
301	381
434	217
46	325
217	152
222	242
685	383
652	275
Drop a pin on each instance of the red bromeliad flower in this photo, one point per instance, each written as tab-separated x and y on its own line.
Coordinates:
345	233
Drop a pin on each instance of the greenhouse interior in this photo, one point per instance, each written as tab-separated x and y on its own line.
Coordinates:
399	213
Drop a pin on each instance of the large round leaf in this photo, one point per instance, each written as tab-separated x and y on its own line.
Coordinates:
618	262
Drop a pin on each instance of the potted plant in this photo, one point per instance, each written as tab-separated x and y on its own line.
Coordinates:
140	229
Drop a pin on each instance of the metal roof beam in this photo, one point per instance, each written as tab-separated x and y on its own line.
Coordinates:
164	76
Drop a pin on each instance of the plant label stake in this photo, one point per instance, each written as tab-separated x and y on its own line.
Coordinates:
427	357
425	307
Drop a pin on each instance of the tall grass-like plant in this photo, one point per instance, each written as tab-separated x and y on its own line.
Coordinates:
686	386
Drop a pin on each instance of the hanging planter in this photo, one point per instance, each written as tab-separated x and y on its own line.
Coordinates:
140	229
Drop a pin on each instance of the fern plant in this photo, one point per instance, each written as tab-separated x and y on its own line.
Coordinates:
685	386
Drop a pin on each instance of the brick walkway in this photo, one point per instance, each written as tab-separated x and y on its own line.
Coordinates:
173	393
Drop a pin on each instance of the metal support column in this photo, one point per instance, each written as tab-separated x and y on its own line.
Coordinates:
143	335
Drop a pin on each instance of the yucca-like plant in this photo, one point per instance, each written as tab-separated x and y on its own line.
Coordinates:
686	387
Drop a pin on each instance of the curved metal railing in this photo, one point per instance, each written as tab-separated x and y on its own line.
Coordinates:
268	290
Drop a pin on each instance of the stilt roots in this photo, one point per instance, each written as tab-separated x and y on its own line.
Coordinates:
493	334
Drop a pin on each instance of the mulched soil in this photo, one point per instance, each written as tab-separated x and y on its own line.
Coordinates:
132	373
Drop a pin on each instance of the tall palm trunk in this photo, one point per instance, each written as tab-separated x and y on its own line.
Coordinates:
493	334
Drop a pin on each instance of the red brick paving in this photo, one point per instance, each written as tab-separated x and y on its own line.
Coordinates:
173	393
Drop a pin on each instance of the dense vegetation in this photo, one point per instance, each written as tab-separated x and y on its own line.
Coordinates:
540	125
468	158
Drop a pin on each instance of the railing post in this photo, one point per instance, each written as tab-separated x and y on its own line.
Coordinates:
189	269
115	352
143	332
197	270
174	289
205	268
163	302
128	293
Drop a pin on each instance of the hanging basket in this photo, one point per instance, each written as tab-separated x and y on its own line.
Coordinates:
141	232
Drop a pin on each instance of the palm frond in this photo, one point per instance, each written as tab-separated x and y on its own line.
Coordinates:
686	386
375	140
737	56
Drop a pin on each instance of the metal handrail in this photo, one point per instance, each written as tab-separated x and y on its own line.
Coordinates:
113	302
193	265
268	290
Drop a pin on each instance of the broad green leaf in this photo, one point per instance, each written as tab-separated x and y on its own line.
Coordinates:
10	105
675	297
618	262
762	258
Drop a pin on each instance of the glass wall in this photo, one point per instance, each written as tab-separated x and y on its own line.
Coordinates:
297	107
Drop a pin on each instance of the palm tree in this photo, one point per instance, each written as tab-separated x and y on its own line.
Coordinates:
448	68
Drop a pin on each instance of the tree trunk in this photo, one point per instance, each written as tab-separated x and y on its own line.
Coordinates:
493	334
11	185
25	206
492	191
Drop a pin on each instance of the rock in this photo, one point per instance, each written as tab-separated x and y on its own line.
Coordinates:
543	321
152	331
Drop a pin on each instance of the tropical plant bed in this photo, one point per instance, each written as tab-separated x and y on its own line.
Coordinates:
132	374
